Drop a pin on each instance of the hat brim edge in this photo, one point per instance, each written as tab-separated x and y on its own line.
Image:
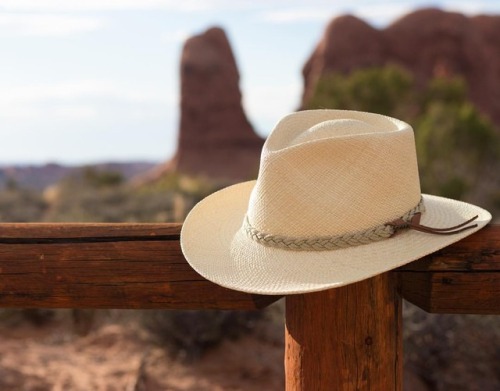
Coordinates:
215	248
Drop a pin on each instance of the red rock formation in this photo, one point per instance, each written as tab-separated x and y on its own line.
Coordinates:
216	139
427	42
347	44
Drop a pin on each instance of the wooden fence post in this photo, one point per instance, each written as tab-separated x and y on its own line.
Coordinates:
347	338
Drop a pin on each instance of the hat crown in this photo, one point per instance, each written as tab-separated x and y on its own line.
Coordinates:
331	172
333	128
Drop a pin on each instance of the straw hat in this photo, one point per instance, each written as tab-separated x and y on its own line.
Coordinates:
337	200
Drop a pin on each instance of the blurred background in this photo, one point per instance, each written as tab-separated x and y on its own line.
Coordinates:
129	111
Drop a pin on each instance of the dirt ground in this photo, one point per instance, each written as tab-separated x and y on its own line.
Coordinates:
117	353
114	357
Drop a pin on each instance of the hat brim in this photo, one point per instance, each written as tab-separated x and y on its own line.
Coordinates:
217	249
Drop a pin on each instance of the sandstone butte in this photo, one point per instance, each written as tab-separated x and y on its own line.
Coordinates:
216	140
428	43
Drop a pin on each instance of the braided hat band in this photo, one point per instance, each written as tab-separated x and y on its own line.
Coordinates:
410	220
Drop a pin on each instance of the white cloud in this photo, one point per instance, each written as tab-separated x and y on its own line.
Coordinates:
378	14
79	89
383	13
105	5
26	112
472	7
69	111
76	5
77	100
55	91
12	24
278	10
175	36
296	15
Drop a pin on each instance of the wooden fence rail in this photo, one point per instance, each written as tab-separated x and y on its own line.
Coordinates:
347	338
106	266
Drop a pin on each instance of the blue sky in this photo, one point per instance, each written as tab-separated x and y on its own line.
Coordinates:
97	80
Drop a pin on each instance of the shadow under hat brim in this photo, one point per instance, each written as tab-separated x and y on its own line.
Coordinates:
217	249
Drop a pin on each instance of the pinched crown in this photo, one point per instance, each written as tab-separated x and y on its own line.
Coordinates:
332	172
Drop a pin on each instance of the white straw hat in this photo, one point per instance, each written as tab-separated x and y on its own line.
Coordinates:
337	200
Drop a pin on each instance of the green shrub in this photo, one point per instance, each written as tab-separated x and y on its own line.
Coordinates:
188	334
21	205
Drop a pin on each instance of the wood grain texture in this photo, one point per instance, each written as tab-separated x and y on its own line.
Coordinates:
106	266
345	339
61	232
477	252
453	292
462	278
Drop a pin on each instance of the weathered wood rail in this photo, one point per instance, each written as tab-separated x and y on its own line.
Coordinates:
105	266
347	338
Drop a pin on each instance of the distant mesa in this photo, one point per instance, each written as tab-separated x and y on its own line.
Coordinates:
428	43
41	176
216	140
